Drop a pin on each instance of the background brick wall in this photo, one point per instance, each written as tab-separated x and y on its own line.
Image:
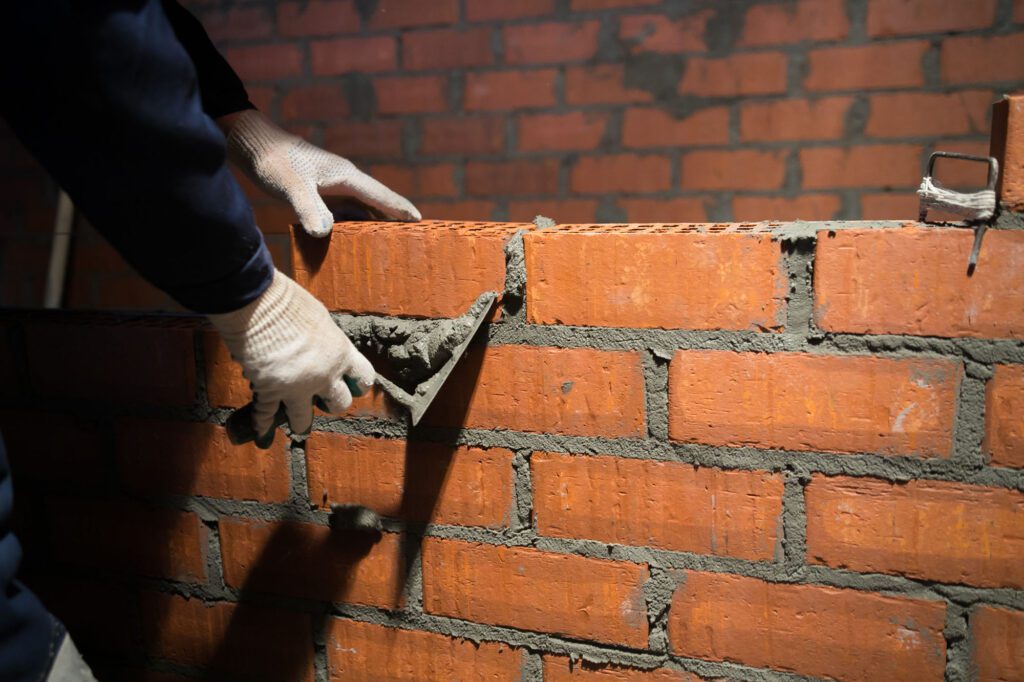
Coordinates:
584	110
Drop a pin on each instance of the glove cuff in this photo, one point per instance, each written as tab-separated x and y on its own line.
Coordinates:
253	135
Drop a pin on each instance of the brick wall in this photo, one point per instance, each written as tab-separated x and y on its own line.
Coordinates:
680	452
583	110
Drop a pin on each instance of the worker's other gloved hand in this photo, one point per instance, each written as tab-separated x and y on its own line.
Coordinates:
290	168
291	351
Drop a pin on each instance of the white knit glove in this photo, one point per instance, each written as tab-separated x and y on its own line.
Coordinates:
291	351
289	168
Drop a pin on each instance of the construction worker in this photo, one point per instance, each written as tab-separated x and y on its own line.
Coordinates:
133	112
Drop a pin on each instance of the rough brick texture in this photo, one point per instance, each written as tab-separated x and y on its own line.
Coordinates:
1008	147
997	643
1004	427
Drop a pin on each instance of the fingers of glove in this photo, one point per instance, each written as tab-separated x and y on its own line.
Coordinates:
349	180
338	398
359	370
313	213
264	408
300	414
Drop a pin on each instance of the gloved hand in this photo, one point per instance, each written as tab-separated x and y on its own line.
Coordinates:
291	350
289	168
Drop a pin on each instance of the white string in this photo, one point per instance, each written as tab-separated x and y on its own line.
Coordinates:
974	206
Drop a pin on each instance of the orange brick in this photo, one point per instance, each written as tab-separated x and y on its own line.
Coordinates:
181	458
305	560
411	94
563	594
567	279
237	23
312	102
265	62
889	206
794	22
422	252
560	210
794	119
581	130
447	49
561	669
801	207
576	391
102	363
997	643
727	513
866	67
457	210
437	180
345	55
659	33
862	166
426	482
489	10
601	84
365	652
1004	405
584	5
406	13
474	135
360	140
929	114
743	169
946	532
759	73
122	537
490	90
1018	11
54	449
977	59
813	402
257	642
680	210
520	177
808	629
317	18
550	42
621	173
659	128
1007	145
907	17
856	272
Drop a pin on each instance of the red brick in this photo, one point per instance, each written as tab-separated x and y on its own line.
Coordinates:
317	18
489	10
929	114
907	17
794	119
896	165
976	59
621	173
261	96
122	537
801	207
727	513
932	530
488	90
794	22
576	130
1007	146
962	174
102	617
457	210
436	180
662	34
411	94
1004	405
856	272
462	135
573	391
997	643
758	73
677	210
889	206
653	127
601	84
563	594
1018	11
365	652
406	13
345	55
742	283
257	642
892	65
559	210
425	482
54	449
744	170
373	139
422	252
512	178
807	629
561	669
550	42
274	218
182	458
265	62
447	49
132	293
799	401
584	5
112	363
307	561
237	23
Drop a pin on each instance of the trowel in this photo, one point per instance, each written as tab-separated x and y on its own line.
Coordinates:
419	350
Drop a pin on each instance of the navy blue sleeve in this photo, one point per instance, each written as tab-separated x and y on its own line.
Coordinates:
106	98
